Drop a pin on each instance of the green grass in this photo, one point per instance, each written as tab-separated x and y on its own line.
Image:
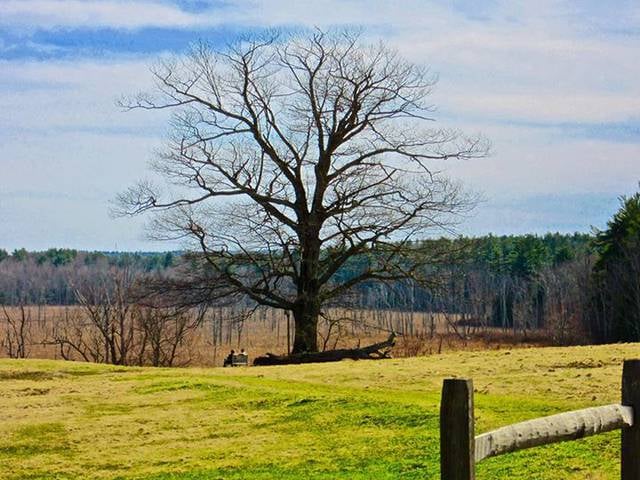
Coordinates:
351	420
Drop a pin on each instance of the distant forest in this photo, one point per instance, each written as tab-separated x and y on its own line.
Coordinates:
50	277
514	282
567	289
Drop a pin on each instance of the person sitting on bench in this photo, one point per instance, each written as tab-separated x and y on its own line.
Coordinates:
228	361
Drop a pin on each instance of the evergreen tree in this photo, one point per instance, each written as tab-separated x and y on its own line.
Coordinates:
616	313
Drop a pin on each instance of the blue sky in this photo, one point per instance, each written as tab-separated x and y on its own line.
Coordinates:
553	85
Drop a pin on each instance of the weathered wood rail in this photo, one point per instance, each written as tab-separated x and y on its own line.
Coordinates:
460	449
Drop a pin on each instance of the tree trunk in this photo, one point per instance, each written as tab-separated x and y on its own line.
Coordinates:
307	306
305	318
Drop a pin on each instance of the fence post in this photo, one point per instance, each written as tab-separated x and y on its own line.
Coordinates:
630	468
457	440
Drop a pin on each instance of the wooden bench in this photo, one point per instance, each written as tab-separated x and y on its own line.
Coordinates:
240	360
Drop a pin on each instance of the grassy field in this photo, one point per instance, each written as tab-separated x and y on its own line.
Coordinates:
355	420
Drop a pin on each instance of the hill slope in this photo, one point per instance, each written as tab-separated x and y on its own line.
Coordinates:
356	420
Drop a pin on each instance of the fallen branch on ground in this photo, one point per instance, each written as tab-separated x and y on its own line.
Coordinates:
376	351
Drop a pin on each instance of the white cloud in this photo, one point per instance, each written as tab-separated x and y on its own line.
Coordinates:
525	162
522	61
61	132
50	14
546	106
529	71
67	150
74	94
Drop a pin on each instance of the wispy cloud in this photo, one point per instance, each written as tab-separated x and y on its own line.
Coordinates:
72	94
54	14
553	61
552	83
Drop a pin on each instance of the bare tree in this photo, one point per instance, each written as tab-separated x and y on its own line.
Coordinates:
107	303
17	333
290	158
162	331
74	337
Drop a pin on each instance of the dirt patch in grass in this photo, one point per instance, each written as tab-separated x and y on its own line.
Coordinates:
26	375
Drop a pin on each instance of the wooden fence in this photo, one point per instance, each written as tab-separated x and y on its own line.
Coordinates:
460	449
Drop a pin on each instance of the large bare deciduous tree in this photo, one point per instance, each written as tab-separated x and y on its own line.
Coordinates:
291	156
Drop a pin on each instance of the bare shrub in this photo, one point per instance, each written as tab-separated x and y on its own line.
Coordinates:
17	334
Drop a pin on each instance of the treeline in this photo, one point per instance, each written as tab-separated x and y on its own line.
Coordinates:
522	283
614	302
525	283
52	277
578	288
500	281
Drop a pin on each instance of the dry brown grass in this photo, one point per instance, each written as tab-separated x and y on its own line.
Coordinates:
265	331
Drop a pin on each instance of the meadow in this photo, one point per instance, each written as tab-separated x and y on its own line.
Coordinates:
264	330
355	420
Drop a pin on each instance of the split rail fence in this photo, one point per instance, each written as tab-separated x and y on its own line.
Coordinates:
460	449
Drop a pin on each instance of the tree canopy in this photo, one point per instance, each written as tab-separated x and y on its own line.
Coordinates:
290	155
616	311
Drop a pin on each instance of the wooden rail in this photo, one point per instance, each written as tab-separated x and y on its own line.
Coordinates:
556	428
460	449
